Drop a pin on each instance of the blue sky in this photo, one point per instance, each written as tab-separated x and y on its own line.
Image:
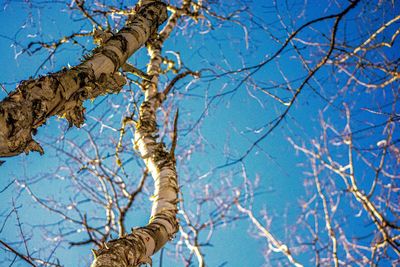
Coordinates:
230	125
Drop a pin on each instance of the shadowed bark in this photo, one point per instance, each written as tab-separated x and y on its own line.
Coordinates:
63	93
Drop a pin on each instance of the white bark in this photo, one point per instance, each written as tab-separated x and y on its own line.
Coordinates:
63	93
137	247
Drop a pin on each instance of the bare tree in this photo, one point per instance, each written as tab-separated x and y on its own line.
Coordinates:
231	91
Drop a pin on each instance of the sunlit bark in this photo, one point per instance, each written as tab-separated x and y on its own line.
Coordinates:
63	93
137	247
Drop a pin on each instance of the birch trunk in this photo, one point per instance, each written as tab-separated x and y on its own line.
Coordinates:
138	247
63	93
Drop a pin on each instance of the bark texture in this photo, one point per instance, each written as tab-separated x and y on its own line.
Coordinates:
137	247
63	93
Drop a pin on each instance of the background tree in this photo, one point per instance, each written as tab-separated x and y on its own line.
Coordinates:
286	130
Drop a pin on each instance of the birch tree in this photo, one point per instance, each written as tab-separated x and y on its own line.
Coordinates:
62	93
278	117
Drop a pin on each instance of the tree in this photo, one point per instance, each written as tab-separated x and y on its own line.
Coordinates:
275	78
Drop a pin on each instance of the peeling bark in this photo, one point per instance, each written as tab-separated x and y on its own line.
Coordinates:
137	247
63	93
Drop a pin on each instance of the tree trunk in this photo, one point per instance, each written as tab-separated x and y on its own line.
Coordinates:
63	93
138	247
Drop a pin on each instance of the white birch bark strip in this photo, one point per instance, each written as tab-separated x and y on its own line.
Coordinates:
63	93
137	247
